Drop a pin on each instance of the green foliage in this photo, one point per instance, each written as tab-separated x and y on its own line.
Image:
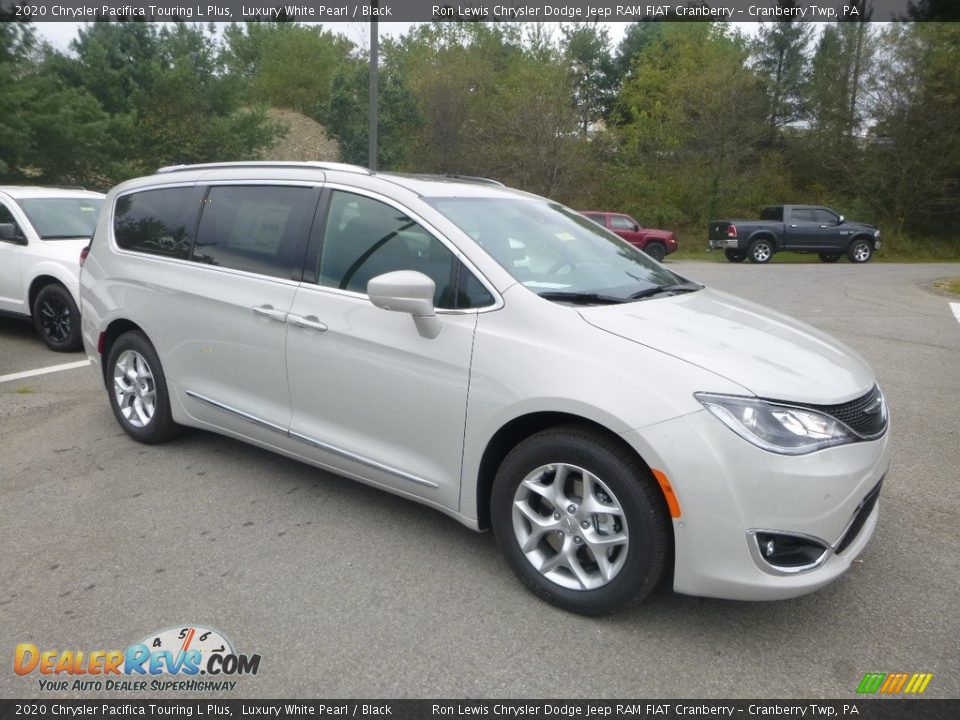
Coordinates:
345	115
680	124
695	124
286	65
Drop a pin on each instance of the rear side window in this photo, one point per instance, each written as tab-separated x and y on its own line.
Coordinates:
774	213
158	222
257	228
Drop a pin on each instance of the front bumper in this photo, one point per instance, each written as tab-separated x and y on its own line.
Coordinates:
729	490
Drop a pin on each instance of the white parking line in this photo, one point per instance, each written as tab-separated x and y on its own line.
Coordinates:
956	310
43	371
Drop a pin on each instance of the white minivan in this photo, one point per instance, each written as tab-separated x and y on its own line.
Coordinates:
614	423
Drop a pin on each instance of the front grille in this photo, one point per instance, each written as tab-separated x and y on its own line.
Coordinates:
854	414
863	512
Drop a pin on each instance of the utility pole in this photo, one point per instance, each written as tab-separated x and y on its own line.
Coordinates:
374	77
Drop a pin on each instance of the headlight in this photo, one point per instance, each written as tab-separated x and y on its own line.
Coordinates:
777	428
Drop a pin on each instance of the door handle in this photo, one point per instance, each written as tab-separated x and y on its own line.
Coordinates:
271	313
823	227
793	226
310	322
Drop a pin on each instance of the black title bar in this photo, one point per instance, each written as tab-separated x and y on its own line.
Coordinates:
429	10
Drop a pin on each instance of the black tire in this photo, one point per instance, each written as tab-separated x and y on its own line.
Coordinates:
137	355
656	250
735	256
57	318
760	251
643	520
829	257
860	251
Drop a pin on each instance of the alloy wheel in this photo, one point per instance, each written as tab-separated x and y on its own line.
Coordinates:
55	319
135	388
570	526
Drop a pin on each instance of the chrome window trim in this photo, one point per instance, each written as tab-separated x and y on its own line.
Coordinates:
362	459
194	263
439	236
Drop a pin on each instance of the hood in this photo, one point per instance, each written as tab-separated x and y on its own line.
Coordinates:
771	355
860	224
65	250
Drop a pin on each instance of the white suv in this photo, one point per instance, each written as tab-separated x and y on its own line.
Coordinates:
42	233
613	422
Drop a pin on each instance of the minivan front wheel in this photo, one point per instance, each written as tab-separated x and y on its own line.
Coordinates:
579	520
138	389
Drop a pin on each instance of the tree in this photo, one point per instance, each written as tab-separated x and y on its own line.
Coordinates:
345	115
694	120
285	64
780	56
586	51
914	152
165	98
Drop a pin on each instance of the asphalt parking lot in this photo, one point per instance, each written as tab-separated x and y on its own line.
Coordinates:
348	592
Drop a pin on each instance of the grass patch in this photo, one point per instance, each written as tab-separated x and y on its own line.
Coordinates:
948	285
23	390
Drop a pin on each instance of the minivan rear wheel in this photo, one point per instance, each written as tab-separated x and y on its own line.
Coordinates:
580	520
138	390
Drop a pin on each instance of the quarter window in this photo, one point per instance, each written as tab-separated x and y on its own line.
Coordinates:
155	222
365	238
260	229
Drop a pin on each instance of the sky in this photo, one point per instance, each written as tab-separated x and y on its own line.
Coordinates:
61	33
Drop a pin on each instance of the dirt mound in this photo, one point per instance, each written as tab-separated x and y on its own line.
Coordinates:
305	140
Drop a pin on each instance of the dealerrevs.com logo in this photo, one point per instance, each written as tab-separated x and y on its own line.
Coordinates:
184	653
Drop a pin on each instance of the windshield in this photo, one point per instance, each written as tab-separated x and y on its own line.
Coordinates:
556	252
62	218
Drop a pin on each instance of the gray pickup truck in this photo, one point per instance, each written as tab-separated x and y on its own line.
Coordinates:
798	228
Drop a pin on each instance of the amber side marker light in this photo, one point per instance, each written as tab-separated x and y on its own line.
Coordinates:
672	503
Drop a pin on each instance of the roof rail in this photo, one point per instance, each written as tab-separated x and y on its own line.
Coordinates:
475	179
306	165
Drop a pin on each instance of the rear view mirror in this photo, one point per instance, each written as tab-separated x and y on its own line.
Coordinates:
409	292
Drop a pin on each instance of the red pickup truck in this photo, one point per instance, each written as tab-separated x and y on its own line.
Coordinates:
655	243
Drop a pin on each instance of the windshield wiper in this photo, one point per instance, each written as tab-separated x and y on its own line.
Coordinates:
586	298
658	289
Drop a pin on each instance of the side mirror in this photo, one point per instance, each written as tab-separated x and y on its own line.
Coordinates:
409	292
840	220
8	233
